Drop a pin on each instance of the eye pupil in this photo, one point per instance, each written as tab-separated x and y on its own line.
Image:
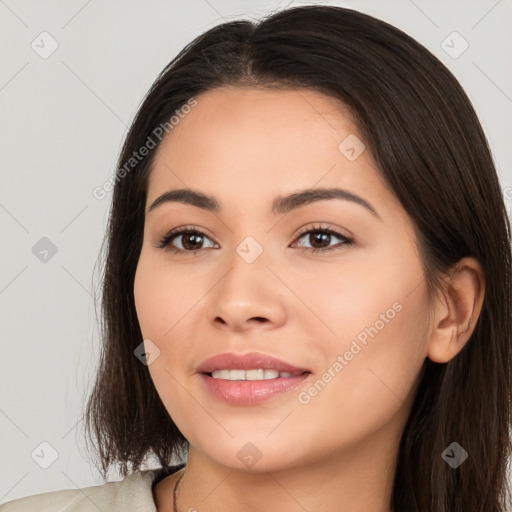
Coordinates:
196	239
319	237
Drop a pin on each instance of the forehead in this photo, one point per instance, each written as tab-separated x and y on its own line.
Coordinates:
259	141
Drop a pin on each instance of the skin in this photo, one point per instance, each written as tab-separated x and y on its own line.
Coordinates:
245	147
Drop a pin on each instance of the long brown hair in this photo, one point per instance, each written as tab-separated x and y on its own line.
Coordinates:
430	148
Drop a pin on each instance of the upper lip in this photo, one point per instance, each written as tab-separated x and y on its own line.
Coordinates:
252	360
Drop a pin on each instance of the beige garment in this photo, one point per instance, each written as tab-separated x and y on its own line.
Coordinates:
133	493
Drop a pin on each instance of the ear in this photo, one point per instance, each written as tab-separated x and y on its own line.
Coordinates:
456	310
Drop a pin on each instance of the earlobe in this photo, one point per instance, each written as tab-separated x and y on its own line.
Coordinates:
457	310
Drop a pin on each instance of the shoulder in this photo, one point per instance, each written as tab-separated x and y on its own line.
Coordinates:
134	492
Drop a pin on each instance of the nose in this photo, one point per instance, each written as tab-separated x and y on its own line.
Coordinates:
247	295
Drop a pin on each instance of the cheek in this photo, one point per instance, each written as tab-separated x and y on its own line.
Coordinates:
337	301
372	358
163	296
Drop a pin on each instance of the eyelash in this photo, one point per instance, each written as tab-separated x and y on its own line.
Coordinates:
166	239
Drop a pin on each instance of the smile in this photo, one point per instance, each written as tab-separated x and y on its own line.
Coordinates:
257	374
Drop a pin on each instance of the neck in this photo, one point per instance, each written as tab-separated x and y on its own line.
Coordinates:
357	479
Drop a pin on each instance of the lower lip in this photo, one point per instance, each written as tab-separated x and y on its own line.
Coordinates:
250	392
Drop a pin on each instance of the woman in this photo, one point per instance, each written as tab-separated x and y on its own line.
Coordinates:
307	291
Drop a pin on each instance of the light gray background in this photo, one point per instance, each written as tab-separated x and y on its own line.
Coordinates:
63	120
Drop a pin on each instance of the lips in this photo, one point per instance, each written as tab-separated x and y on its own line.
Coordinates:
252	392
250	361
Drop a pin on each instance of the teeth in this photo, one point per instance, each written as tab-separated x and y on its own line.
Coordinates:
257	374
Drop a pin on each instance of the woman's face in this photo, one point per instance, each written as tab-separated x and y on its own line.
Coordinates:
353	314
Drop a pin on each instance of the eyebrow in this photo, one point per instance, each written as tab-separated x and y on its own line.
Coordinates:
281	205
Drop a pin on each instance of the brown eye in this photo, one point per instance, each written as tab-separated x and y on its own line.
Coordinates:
320	238
186	239
191	240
